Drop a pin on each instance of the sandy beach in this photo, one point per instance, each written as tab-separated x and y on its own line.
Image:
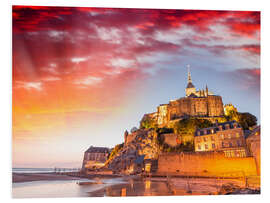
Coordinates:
26	177
109	185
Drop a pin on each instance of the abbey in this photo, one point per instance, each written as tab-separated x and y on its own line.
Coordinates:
196	103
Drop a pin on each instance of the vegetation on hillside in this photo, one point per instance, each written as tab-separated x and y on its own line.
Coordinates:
147	123
188	126
183	147
114	152
246	120
164	147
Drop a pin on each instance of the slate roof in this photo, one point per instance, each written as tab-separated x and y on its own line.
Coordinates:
192	95
216	128
98	150
190	85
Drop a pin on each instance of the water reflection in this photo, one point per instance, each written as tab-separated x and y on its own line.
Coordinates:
137	187
116	187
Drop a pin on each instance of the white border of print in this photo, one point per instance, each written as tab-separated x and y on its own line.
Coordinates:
6	76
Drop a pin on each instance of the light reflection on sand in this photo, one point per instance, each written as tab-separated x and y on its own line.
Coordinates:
118	187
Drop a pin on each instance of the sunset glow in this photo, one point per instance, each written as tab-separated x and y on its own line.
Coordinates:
82	76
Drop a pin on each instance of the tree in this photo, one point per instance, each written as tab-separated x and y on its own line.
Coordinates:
189	125
147	123
247	120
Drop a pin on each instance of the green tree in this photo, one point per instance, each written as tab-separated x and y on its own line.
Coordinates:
247	120
147	123
189	125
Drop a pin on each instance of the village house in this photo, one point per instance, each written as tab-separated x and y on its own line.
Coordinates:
95	157
227	137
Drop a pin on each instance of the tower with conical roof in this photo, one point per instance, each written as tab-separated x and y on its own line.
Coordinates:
190	89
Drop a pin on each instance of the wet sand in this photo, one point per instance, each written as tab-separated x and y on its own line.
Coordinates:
100	186
27	177
165	187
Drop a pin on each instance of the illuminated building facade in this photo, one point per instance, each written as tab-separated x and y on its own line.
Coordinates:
227	137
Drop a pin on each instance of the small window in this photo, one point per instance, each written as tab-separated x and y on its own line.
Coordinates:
199	146
229	136
223	144
213	146
205	139
238	143
212	138
221	136
237	135
212	131
198	139
206	146
230	144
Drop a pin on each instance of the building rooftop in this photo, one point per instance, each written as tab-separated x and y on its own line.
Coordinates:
216	127
98	150
190	85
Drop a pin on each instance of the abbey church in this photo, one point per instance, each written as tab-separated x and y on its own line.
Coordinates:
196	103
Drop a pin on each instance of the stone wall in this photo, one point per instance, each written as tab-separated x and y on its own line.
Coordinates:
172	139
254	146
205	164
211	106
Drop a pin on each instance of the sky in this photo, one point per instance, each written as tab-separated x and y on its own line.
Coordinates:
82	76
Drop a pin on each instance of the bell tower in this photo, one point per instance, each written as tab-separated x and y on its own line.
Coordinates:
190	89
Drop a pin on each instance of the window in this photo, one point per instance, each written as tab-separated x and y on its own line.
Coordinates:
198	133
237	135
212	131
223	144
205	139
238	143
221	136
198	139
229	136
206	146
230	144
199	146
213	146
212	138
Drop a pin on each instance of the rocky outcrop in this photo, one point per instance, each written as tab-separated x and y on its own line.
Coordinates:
130	158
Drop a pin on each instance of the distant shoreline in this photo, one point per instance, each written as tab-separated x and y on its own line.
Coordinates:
29	177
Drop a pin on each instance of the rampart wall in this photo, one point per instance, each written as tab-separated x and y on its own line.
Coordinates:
205	164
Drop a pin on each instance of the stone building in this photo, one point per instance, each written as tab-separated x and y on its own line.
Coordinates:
227	137
201	103
254	146
95	157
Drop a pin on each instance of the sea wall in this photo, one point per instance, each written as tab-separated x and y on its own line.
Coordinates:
205	164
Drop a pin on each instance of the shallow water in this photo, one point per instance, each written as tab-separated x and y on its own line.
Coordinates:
63	188
116	187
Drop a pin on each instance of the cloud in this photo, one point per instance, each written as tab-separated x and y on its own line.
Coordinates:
79	59
50	78
29	85
88	81
249	79
122	63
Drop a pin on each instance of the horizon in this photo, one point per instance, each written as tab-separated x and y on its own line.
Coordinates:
82	76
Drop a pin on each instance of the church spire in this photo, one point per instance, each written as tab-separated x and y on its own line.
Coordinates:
189	75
